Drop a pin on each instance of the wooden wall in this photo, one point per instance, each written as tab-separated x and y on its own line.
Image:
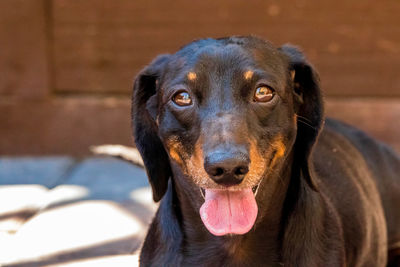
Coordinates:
66	67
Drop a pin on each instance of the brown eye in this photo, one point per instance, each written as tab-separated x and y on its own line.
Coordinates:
263	94
182	99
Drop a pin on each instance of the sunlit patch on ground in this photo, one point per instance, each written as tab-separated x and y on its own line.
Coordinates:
144	196
120	261
96	213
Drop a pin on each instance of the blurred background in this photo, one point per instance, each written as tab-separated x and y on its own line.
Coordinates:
67	67
66	74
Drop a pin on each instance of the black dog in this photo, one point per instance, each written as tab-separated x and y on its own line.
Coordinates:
235	145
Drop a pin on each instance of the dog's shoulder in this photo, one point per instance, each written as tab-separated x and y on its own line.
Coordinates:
359	174
338	138
344	149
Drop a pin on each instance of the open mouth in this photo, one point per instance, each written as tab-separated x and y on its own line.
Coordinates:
227	211
254	189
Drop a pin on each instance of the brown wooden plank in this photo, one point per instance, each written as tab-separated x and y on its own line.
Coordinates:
63	125
359	75
100	45
70	125
24	70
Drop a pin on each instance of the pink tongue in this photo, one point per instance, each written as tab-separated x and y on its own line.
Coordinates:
229	212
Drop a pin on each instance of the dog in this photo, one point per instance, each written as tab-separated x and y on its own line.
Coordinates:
249	172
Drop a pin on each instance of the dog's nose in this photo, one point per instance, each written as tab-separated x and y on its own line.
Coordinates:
227	168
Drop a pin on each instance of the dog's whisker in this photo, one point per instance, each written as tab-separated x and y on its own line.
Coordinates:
258	186
304	118
307	124
201	193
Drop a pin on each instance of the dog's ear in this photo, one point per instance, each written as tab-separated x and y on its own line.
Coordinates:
145	129
308	108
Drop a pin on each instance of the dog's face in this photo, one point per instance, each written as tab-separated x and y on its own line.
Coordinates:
220	117
224	114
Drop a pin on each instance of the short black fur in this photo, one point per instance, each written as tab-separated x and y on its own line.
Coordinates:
328	196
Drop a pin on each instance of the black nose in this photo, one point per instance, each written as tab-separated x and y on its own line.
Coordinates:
227	168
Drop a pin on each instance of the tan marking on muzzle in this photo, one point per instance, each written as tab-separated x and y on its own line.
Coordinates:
257	167
248	74
257	164
280	149
195	169
174	150
195	166
191	76
292	74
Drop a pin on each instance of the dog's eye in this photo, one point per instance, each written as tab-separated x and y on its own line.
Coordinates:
182	98
263	94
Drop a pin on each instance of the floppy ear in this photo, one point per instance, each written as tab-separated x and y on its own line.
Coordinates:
308	108
145	129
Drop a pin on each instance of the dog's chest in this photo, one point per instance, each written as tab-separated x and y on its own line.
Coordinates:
231	254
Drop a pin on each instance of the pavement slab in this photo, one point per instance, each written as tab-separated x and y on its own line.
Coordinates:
18	203
94	212
120	261
80	230
46	171
108	178
24	186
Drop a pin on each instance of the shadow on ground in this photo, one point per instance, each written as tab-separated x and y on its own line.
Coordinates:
59	211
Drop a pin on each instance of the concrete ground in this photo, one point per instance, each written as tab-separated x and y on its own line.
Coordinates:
59	211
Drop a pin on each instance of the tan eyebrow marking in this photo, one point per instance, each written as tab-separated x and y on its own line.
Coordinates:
191	76
248	74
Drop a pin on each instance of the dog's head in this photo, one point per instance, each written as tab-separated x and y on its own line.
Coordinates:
220	117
